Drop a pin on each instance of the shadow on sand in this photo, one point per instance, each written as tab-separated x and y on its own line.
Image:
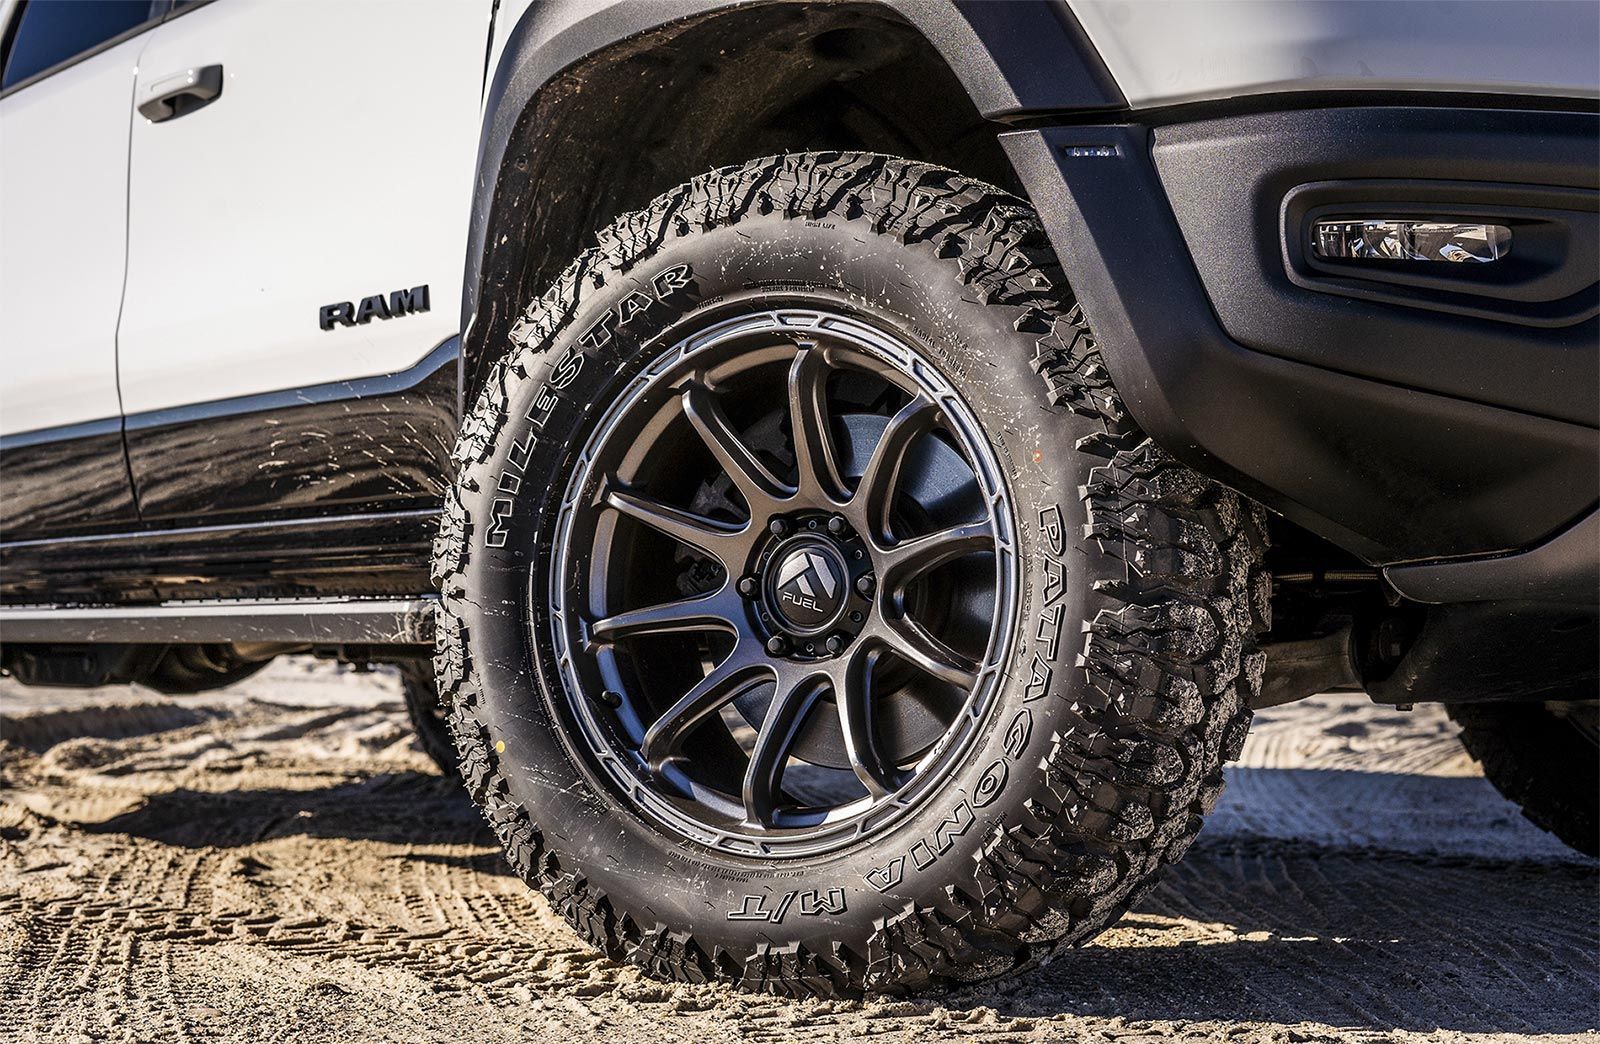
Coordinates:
1261	929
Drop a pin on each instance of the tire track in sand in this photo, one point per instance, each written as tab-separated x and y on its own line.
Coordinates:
269	872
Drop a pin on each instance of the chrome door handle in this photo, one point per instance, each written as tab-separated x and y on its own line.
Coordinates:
181	93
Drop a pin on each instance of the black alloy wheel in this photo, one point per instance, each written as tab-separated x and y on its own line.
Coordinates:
840	549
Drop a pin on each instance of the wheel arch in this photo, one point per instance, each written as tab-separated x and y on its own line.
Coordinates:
591	112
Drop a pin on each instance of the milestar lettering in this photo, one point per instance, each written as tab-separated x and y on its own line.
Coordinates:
509	482
635	304
396	304
563	371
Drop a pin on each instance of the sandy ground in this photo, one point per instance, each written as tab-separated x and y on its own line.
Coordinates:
278	862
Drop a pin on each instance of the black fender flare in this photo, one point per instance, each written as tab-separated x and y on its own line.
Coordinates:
1014	57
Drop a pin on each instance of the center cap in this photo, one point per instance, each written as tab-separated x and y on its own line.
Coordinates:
806	587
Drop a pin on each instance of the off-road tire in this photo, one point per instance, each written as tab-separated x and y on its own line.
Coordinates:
1541	761
1129	677
428	715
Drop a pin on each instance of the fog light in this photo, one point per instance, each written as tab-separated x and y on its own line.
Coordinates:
1394	239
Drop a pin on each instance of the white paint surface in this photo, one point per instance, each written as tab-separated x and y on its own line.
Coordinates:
63	209
337	163
1162	51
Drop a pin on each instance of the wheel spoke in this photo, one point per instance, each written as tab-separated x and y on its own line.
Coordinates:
818	467
686	527
855	699
751	477
875	494
909	559
727	682
907	640
717	611
791	703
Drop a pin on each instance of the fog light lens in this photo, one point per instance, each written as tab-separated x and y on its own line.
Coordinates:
1394	239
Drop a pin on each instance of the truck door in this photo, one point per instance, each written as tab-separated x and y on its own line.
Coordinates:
64	93
300	185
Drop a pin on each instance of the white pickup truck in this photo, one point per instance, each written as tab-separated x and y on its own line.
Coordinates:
837	476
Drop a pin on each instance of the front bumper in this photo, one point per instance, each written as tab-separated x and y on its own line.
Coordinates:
1405	424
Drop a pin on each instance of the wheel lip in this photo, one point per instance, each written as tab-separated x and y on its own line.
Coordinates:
844	825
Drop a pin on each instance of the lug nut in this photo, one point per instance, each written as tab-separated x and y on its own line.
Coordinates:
835	645
777	645
778	527
747	586
865	585
838	526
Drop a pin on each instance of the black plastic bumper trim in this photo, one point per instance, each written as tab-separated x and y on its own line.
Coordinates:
1520	334
1388	472
1564	569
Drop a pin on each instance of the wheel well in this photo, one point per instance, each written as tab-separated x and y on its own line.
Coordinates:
630	122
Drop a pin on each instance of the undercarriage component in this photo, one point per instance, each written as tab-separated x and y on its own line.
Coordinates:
1298	669
172	669
1480	652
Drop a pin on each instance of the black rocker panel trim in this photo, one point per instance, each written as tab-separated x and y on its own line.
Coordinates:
373	444
1388	472
1563	570
403	621
351	556
64	480
1519	333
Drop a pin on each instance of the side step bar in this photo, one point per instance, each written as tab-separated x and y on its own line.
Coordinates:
316	621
